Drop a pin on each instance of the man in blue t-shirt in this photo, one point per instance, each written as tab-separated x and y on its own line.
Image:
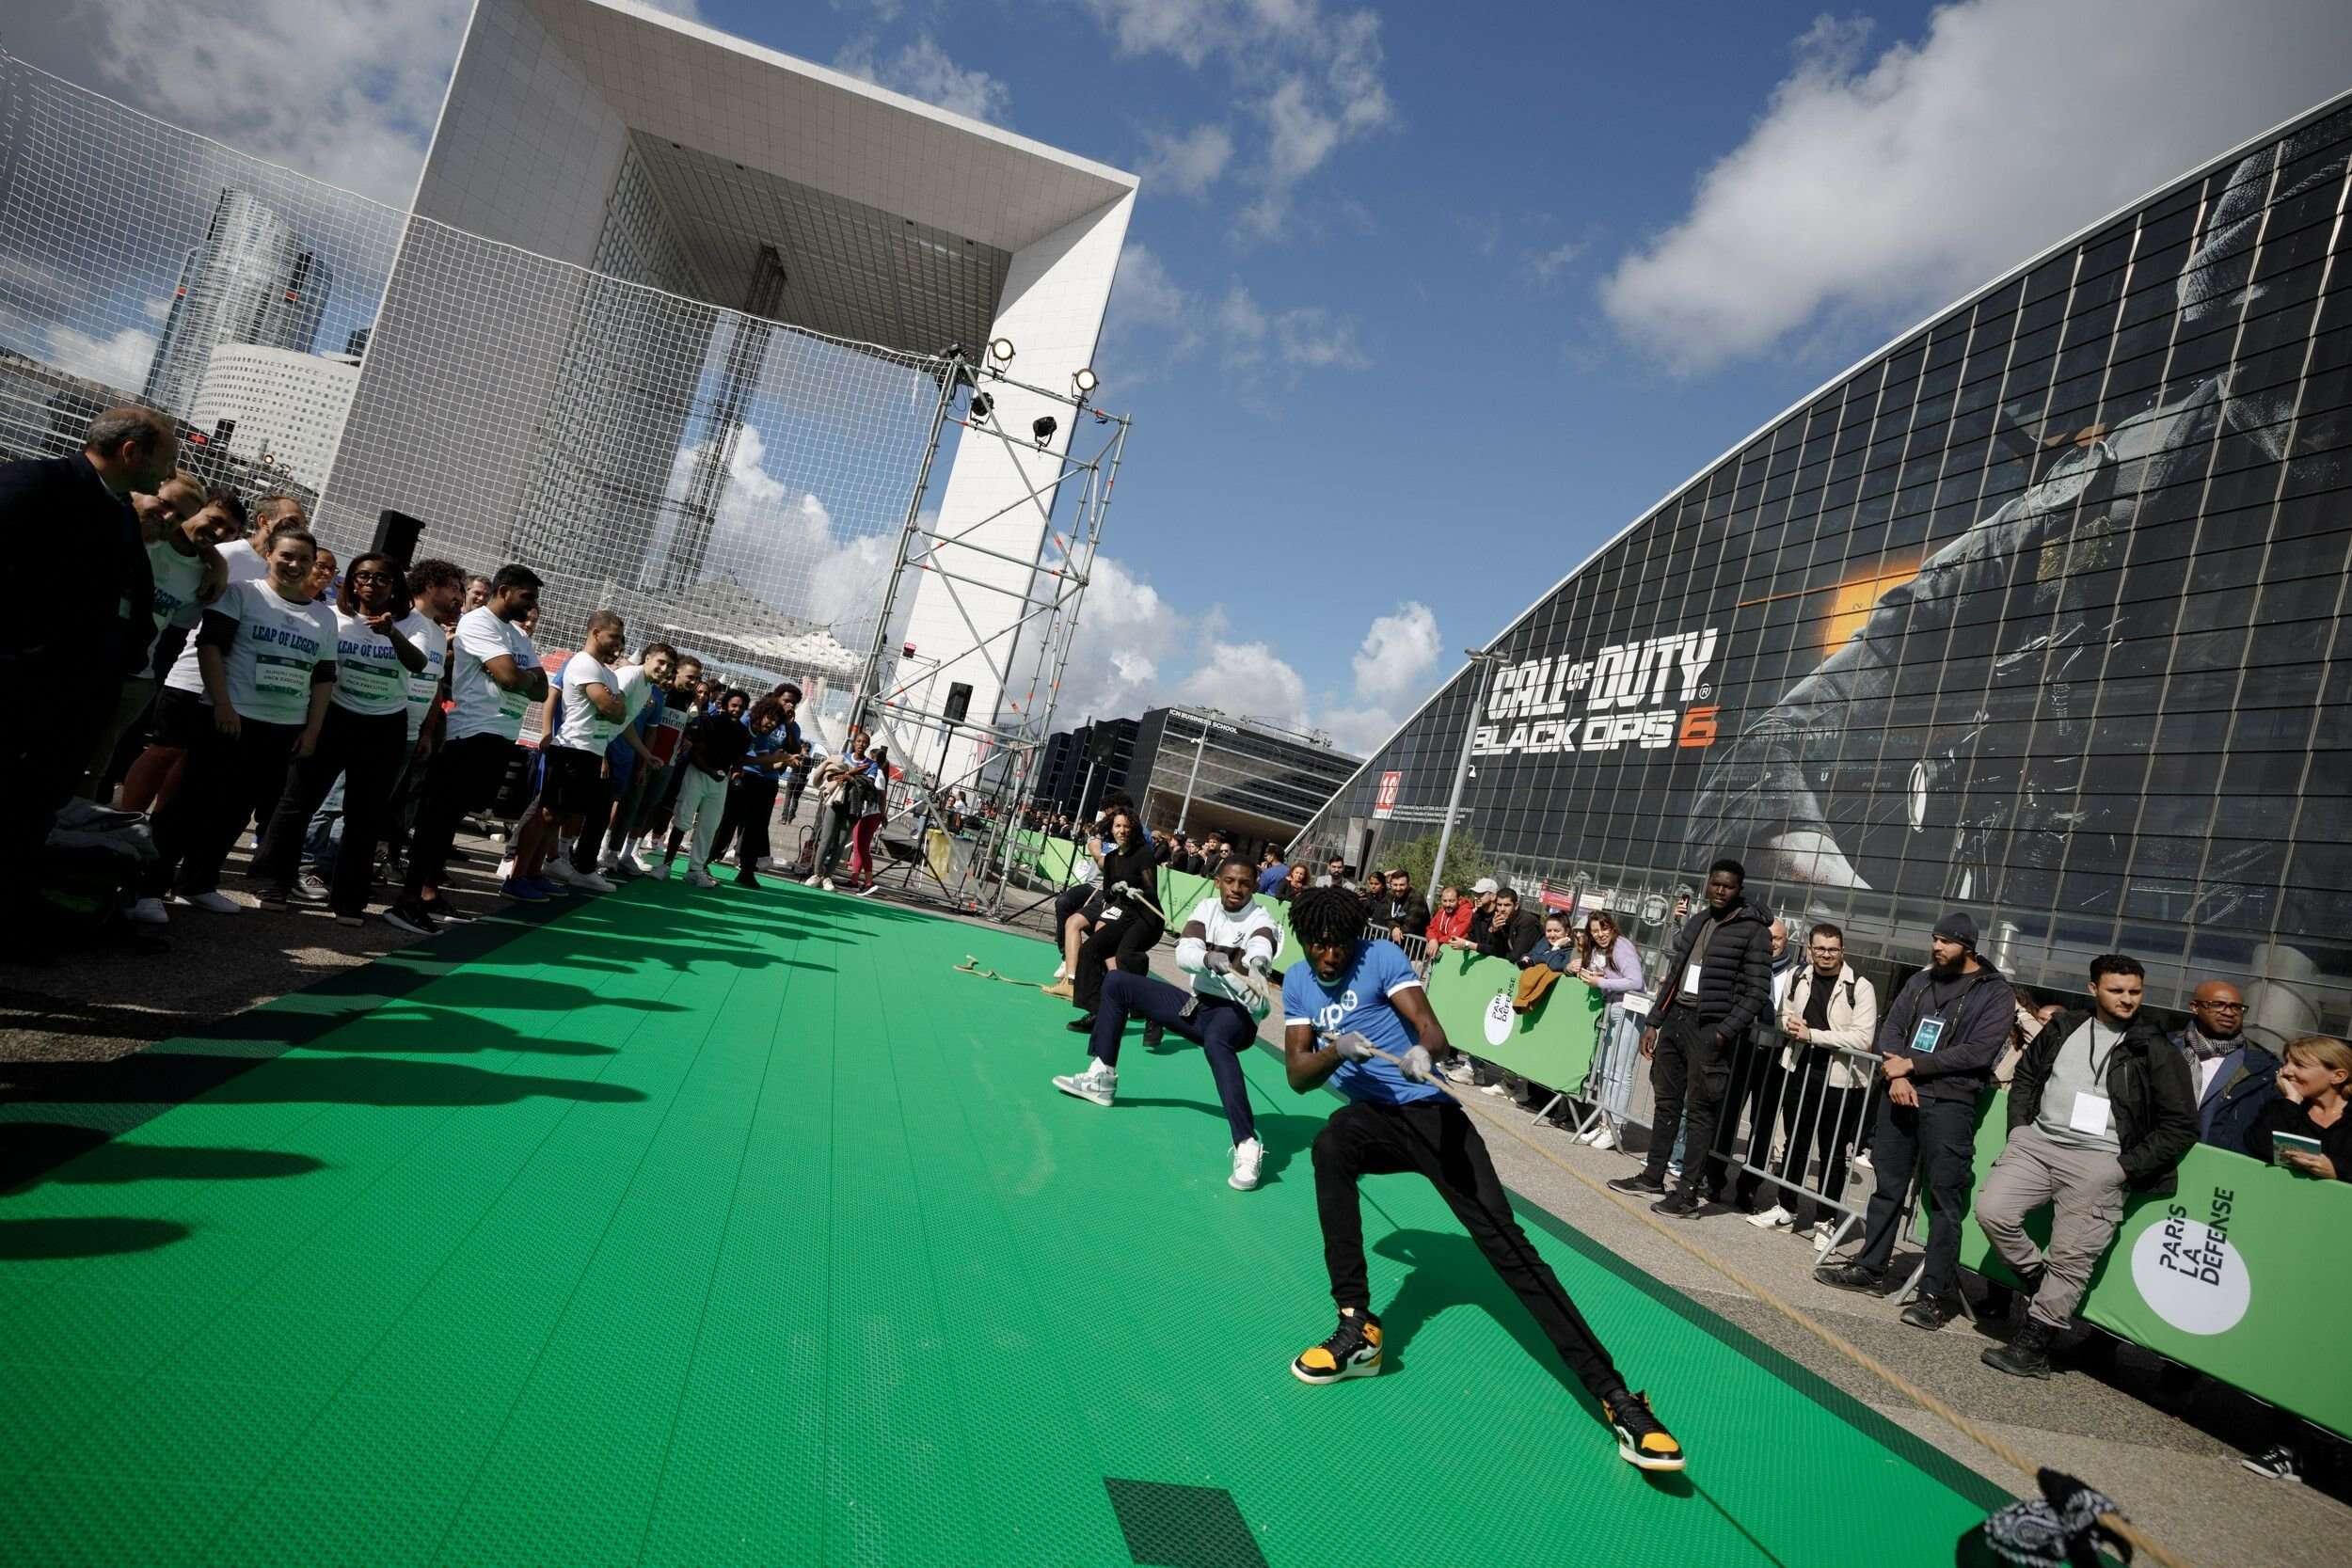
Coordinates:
1355	1017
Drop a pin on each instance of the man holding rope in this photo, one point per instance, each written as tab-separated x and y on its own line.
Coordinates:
1354	1016
1227	946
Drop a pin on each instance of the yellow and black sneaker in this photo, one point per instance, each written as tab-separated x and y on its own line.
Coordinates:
1353	1351
1642	1440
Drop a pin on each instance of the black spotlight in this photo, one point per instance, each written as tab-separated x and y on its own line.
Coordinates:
981	405
1043	430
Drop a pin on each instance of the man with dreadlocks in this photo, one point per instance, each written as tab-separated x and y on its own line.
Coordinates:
1354	1015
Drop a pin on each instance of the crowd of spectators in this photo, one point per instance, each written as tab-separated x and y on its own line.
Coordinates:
354	716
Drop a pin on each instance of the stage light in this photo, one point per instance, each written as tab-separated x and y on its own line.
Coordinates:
981	406
1085	381
1000	350
1044	429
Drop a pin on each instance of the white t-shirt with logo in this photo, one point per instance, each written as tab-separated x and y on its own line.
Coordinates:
177	578
370	680
245	565
425	685
584	729
481	705
277	644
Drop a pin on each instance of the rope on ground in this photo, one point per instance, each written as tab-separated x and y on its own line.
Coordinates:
1860	1357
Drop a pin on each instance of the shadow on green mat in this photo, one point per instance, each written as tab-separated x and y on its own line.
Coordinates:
34	1240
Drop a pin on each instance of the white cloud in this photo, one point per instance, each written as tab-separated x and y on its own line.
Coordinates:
121	361
1191	163
1312	80
1311	338
345	90
1880	186
1544	266
1127	635
1359	730
1248	679
1398	650
922	69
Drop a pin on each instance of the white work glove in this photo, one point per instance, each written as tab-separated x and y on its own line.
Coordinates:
1259	964
1219	963
1352	1046
1415	1064
1122	887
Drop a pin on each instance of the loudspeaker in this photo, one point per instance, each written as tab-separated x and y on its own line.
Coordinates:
1101	741
396	535
958	702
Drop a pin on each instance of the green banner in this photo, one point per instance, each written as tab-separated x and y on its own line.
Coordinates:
2237	1267
1552	1045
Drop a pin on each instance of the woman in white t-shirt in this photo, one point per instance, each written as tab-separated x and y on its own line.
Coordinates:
267	655
378	645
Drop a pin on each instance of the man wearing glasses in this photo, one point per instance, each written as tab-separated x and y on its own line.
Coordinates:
2235	1076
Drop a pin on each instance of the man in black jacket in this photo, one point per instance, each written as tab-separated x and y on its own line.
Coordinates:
89	607
2103	1102
1716	982
1512	932
1404	911
1938	1042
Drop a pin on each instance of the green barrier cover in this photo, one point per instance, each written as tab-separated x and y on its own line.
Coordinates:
1552	1045
2237	1265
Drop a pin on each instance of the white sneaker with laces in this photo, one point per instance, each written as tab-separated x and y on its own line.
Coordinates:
1775	1218
150	911
210	903
813	881
1493	1088
1099	1083
1588	1134
592	882
1605	1139
1461	1072
1247	1157
560	870
826	883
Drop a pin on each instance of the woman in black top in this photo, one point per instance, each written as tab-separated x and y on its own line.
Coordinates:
1131	921
2313	1087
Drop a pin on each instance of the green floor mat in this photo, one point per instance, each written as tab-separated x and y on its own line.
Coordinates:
734	1226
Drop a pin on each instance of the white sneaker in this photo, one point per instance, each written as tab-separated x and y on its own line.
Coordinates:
506	870
560	870
1461	1072
695	877
1605	1139
1588	1134
1061	971
588	881
1247	1157
1861	1160
1492	1088
826	884
813	882
643	862
1822	1234
1098	1083
150	911
659	871
1775	1218
210	903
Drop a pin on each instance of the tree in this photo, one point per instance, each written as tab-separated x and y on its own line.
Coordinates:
1466	861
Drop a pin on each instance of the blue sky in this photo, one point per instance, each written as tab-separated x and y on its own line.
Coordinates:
1423	303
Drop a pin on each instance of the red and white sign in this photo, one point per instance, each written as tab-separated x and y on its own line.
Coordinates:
1384	803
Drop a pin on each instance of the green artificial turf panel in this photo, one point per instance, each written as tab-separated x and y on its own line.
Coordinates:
711	1227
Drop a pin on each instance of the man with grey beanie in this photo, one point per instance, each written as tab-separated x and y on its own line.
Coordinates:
1938	1042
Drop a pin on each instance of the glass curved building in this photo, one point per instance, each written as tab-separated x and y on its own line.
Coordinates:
2039	611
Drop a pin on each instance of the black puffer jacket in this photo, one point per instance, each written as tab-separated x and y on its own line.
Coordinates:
1734	971
2149	1089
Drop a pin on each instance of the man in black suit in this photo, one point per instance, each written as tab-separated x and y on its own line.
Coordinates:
90	605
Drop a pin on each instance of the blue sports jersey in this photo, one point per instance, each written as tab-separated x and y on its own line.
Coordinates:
1358	1000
